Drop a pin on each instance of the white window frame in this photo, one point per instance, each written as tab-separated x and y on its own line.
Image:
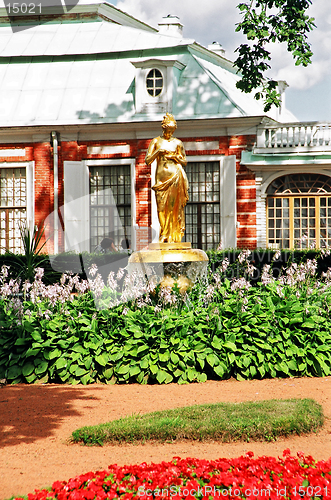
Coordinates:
30	191
263	179
122	161
170	70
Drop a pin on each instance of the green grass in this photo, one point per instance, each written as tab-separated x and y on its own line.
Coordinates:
226	422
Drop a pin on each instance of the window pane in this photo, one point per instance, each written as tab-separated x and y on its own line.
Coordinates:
203	208
13	205
110	203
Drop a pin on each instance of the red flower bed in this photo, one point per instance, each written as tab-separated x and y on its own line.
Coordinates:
244	478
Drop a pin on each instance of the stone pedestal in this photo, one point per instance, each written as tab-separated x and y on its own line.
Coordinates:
170	263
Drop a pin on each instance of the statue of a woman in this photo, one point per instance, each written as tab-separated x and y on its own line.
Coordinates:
171	185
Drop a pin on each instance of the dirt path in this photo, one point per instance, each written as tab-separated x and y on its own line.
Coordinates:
36	422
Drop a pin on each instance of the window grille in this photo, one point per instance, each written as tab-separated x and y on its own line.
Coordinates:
299	211
202	212
154	82
110	203
12	208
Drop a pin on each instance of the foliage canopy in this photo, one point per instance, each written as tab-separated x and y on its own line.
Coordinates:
265	22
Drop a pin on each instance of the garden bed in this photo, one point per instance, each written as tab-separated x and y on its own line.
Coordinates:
37	421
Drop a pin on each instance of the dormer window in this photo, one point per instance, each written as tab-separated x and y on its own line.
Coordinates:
154	82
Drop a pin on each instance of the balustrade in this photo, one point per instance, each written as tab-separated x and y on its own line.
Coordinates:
298	135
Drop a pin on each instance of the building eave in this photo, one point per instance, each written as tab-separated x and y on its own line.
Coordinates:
131	130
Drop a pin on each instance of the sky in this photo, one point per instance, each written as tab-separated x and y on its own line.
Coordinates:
308	96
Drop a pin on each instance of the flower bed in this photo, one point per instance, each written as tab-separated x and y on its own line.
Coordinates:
85	332
245	477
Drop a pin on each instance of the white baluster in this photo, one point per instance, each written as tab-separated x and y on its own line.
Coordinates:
306	138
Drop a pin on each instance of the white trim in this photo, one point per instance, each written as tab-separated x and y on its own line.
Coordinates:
5	153
201	145
154	216
75	211
123	161
30	195
227	235
109	150
15	164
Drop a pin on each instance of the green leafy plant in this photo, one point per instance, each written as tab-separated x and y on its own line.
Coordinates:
222	329
25	266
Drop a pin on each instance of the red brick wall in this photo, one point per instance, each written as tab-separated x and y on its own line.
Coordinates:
42	155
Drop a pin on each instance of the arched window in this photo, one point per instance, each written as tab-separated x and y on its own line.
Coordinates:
154	82
299	211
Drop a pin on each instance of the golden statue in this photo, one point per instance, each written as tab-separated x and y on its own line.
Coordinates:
171	184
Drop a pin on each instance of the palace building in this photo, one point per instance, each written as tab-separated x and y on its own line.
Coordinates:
84	91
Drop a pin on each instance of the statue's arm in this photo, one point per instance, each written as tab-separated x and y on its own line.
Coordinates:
153	152
179	155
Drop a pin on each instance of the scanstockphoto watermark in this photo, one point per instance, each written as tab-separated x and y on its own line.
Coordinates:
23	14
206	491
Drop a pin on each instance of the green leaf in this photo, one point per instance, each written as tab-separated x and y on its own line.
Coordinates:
85	379
217	344
72	368
27	369
212	359
56	353
230	345
14	372
164	357
31	378
202	377
142	348
144	362
154	368
308	324
61	363
108	373
219	370
36	335
123	369
232	357
296	319
80	371
292	364
88	362
163	377
252	370
102	359
21	341
134	370
32	352
41	368
79	348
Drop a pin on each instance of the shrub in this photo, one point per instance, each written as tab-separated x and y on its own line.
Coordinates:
221	329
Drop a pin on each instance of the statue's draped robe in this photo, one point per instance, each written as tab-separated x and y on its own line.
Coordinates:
171	198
